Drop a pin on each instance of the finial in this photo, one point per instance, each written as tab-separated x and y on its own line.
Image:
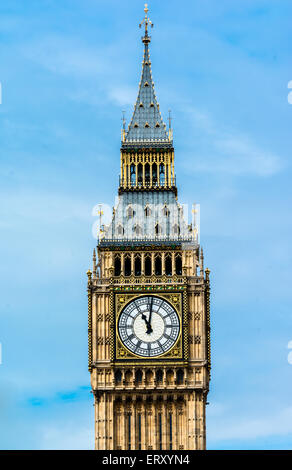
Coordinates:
207	271
123	132
146	21
124	119
89	274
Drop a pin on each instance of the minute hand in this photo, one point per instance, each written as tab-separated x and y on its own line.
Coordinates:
150	314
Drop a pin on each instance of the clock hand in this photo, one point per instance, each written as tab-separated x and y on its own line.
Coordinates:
149	329
150	315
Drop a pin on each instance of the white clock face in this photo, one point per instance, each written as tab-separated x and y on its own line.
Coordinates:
149	326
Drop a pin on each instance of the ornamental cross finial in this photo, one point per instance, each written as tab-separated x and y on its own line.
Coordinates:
146	21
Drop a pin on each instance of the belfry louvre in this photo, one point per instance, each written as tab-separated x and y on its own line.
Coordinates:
148	298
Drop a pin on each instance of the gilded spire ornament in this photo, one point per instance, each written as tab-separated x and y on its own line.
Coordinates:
147	22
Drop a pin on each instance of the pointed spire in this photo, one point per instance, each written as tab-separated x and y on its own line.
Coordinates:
202	263
146	126
94	263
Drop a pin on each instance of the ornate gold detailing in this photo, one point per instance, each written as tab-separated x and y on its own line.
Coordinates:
146	21
207	306
89	293
179	350
153	159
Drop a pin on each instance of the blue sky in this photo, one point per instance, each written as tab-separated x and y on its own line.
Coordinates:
68	69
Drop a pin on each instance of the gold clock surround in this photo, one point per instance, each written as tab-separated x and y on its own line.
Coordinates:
178	352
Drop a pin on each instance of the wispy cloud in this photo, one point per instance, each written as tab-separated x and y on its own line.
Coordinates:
271	424
229	151
67	56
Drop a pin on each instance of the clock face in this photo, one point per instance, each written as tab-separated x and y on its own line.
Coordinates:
149	326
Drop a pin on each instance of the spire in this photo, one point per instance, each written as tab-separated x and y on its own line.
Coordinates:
146	126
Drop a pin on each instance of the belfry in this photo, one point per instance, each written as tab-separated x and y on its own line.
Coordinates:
148	298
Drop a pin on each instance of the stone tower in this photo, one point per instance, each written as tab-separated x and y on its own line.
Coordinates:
148	299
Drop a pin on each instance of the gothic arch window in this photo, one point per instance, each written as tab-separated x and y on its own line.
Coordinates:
137	230
168	265
137	266
158	265
128	377
127	266
165	211
120	230
133	170
176	229
170	376
140	173
148	266
117	266
147	173
138	376
180	377
141	105
161	173
130	212
151	105
178	265
159	376
147	211
158	229
154	174
146	124
149	376
118	376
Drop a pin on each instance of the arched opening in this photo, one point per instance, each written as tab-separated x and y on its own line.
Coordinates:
137	230
147	211
161	174
117	266
154	174
140	174
128	377
118	376
127	266
178	265
130	212
180	377
170	376
158	268
138	376
168	265
176	229
149	376
137	266
166	211
147	173
120	230
159	376
133	174
148	270
158	230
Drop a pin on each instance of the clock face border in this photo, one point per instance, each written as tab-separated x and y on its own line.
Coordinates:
178	352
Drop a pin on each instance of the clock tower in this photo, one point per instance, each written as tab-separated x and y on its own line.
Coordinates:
148	299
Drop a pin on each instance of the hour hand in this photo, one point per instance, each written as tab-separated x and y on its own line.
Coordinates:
149	329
